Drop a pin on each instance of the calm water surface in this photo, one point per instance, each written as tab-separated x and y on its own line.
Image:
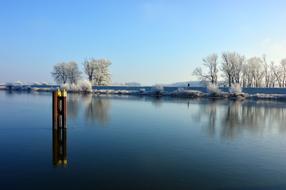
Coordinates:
142	143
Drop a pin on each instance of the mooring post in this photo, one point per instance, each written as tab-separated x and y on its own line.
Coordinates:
59	127
59	109
55	110
64	108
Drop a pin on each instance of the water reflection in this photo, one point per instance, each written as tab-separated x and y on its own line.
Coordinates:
156	101
255	117
95	108
223	118
60	147
232	118
73	105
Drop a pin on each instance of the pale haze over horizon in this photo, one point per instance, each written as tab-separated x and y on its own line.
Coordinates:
148	41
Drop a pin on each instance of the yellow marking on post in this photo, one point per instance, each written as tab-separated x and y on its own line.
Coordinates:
59	93
64	94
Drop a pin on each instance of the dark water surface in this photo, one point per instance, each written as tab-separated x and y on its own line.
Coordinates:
143	143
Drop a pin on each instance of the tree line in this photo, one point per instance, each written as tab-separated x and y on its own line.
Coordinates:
234	68
96	70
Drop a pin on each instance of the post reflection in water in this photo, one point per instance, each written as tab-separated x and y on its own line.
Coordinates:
60	147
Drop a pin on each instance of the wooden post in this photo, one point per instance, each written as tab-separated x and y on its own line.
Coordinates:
59	128
64	109
55	110
59	109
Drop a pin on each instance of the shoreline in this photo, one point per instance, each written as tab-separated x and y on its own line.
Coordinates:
184	93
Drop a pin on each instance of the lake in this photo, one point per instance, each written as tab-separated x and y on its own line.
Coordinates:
121	142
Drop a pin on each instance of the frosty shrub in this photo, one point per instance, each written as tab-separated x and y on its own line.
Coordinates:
85	86
181	92
142	90
65	87
235	88
73	87
157	90
213	89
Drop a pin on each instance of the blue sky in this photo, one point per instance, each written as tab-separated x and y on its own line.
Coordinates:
148	41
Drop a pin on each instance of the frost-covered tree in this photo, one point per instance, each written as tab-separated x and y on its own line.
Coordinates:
90	68
272	77
73	72
255	65
267	72
102	76
283	72
97	71
59	73
211	65
232	66
66	72
246	78
277	74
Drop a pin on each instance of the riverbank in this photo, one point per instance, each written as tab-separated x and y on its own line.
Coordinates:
159	91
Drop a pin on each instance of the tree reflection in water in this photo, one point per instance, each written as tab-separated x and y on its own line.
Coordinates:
96	108
255	117
232	118
73	105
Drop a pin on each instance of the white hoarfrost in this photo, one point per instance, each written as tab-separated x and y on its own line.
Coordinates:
157	90
181	92
235	89
82	86
73	87
85	86
213	89
65	86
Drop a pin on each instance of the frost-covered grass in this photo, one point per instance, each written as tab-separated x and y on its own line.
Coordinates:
268	96
214	91
235	92
185	93
83	86
157	90
235	89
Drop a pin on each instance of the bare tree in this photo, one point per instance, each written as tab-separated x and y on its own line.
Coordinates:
256	70
73	72
238	61
277	74
60	74
272	77
102	76
267	73
283	72
66	72
246	76
211	65
90	68
232	66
